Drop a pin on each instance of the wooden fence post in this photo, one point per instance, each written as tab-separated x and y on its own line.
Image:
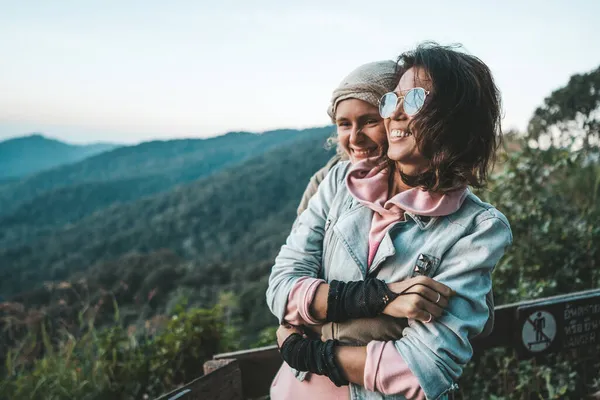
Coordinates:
222	382
258	367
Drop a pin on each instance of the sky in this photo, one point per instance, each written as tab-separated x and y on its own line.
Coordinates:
130	71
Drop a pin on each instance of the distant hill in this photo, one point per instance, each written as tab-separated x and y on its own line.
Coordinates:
68	193
34	153
234	219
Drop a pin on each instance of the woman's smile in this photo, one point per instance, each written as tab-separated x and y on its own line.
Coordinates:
397	135
360	153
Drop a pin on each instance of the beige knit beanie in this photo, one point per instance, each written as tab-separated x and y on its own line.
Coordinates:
368	83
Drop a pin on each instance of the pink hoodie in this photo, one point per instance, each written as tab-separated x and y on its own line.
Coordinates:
385	369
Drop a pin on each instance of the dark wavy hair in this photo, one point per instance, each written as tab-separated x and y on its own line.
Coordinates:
458	129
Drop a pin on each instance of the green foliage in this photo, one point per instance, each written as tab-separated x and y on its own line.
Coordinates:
115	363
266	337
550	197
498	374
570	115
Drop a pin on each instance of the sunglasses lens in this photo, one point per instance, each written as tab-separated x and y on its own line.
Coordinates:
387	104
414	100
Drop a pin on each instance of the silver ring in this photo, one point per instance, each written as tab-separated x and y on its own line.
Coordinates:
430	318
438	299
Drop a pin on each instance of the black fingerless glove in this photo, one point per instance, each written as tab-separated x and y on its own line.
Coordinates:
360	299
312	356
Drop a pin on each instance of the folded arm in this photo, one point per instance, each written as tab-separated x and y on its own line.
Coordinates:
435	353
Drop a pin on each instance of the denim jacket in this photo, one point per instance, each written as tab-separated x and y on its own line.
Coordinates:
330	241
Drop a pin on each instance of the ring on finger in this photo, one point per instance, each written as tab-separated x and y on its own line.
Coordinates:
439	297
430	318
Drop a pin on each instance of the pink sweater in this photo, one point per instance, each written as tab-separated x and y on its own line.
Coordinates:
385	369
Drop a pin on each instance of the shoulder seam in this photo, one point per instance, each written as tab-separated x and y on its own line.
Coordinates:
486	213
506	225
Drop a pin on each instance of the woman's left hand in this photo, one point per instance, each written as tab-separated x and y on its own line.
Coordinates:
284	331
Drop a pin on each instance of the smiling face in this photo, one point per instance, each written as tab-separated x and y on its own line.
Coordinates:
360	129
450	142
401	141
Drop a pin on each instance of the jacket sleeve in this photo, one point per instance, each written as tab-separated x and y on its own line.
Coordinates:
299	302
301	255
314	183
436	352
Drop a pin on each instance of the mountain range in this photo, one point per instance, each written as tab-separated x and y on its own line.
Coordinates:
39	203
33	153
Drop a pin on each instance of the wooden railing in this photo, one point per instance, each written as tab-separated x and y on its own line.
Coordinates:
533	328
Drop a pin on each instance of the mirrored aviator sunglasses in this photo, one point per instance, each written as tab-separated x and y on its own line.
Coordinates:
412	102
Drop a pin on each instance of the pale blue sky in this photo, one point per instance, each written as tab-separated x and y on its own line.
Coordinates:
128	71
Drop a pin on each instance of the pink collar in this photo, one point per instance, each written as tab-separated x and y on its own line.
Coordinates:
369	185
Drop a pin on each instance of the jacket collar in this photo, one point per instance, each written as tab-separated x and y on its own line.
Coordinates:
368	183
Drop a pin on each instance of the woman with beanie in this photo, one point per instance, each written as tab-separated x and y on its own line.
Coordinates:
359	120
375	229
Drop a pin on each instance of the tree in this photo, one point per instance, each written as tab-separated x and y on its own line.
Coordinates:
570	116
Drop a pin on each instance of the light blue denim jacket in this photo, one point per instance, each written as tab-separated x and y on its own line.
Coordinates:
330	241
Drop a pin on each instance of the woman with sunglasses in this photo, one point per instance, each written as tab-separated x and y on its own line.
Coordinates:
360	135
374	226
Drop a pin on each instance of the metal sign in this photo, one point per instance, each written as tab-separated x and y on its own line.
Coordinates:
558	324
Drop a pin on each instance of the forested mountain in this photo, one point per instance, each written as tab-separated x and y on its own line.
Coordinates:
228	224
30	154
49	200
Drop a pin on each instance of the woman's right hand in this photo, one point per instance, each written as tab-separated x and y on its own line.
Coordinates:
419	298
